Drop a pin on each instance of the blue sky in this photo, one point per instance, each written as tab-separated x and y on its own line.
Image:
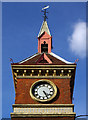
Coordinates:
21	23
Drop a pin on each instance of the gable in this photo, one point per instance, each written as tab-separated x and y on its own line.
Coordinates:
44	59
48	58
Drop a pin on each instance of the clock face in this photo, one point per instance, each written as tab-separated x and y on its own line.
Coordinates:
43	90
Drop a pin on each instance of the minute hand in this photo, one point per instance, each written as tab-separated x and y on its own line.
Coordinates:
45	93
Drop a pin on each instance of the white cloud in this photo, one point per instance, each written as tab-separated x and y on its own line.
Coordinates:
77	41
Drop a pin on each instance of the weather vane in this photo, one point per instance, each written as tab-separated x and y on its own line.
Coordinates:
44	10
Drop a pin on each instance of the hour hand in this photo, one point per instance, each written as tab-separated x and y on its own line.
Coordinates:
45	93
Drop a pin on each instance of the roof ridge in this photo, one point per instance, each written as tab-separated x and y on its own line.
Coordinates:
60	58
28	58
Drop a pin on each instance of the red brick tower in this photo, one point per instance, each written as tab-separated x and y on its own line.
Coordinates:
43	84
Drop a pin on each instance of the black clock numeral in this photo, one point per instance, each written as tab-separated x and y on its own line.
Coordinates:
37	96
45	98
36	90
49	96
51	89
41	98
51	93
45	85
49	86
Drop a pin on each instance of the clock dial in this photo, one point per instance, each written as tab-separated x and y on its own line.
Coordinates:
43	90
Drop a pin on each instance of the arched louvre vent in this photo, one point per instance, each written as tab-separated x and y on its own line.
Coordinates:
44	48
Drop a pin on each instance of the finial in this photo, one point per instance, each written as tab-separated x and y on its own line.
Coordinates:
11	60
44	10
76	61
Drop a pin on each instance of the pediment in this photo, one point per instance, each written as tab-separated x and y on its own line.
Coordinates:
44	59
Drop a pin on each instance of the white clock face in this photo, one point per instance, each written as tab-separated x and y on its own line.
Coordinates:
43	90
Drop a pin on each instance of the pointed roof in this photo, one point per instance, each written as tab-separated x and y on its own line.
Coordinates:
44	28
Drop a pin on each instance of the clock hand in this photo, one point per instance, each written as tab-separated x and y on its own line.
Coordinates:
45	93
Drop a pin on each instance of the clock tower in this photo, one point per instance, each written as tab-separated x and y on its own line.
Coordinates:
43	83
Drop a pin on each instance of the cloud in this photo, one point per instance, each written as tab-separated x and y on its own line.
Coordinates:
77	41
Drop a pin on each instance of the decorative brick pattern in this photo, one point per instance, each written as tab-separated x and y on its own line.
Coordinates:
52	110
44	72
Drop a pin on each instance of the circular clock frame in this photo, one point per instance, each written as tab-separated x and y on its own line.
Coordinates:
41	82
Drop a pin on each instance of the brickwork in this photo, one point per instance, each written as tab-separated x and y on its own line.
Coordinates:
23	88
51	67
46	118
47	38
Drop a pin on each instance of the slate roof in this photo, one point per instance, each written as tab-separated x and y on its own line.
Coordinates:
56	60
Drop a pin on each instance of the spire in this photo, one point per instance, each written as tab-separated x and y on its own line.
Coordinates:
44	28
44	36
